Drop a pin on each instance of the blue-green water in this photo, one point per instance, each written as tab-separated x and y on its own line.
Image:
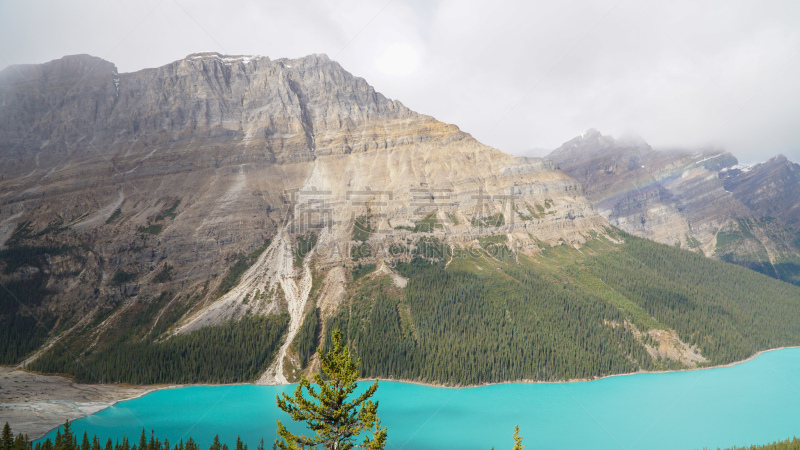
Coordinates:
754	402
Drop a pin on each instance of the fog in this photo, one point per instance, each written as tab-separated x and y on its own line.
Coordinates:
520	76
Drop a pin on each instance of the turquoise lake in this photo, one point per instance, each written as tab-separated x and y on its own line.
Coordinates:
753	402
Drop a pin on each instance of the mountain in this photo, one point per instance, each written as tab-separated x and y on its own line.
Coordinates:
147	191
704	201
212	220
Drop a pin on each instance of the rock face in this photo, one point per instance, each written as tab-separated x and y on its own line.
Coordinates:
769	189
136	192
699	200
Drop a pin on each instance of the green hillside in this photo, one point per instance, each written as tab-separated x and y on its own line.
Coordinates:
487	315
495	316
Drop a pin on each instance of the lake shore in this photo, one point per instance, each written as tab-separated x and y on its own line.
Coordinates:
581	380
34	404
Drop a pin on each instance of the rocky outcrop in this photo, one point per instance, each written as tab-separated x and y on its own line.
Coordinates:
769	189
699	200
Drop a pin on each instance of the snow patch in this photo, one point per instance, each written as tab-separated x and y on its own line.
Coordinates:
226	59
707	158
744	168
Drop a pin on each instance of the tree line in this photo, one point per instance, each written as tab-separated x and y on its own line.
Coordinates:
487	319
235	351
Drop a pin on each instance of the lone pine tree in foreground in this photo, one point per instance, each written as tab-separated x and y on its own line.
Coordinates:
336	422
517	439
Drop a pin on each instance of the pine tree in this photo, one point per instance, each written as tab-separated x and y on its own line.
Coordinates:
517	439
7	439
66	440
335	421
21	442
216	444
59	440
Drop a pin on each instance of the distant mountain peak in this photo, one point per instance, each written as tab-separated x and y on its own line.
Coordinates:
591	133
223	58
589	143
780	158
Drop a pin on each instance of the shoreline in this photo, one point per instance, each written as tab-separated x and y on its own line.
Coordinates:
35	404
134	397
148	389
581	380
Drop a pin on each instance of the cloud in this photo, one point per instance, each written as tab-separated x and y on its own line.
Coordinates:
517	75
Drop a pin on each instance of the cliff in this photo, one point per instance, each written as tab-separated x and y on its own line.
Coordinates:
148	197
699	200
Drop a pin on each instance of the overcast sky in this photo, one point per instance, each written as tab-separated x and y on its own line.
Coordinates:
522	76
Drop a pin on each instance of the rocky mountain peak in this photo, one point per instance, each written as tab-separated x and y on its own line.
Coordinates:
779	159
771	188
286	108
590	141
162	180
592	144
591	133
700	199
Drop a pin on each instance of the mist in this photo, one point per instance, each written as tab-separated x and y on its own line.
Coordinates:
520	76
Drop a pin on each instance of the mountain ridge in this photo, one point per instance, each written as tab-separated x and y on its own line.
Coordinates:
693	199
216	217
181	194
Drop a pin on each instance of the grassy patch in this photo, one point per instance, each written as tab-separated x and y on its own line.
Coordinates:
362	229
431	249
303	248
24	230
240	265
114	216
165	274
121	277
495	239
360	271
52	228
495	220
151	229
169	212
692	242
360	251
522	215
428	225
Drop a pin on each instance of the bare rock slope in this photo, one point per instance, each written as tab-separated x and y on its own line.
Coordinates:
700	200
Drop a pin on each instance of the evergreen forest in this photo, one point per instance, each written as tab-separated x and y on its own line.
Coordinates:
496	316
